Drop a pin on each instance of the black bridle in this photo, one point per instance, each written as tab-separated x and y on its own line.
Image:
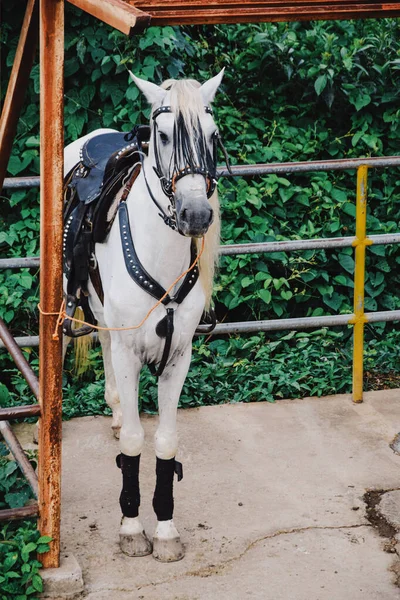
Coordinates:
184	153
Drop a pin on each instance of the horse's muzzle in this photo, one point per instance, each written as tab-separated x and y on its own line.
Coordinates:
193	222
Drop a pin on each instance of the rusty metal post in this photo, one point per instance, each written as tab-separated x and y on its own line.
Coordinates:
51	205
18	83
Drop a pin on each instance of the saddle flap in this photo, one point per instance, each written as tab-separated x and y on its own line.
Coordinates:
95	155
101	156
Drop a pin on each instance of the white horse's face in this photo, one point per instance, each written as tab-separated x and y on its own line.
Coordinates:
183	148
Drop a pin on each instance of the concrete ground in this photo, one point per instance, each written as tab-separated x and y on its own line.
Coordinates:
270	508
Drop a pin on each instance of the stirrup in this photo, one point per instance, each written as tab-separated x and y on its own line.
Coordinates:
67	329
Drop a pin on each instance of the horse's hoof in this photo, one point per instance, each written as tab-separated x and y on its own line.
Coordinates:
137	544
168	550
133	539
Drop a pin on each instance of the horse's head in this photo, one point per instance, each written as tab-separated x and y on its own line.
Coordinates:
183	148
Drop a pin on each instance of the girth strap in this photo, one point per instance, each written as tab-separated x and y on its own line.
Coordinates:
165	328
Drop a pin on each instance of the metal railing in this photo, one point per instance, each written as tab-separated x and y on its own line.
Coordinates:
360	241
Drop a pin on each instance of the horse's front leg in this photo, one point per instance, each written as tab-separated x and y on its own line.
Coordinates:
133	540
167	545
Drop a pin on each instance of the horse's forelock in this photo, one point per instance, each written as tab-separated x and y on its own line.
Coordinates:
186	101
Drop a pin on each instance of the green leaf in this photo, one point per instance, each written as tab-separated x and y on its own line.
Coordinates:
26	279
33	141
349	209
44	539
4	395
360	100
347	262
320	84
265	295
246	281
26	550
334	301
37	583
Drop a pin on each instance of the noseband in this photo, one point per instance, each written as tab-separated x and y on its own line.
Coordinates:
208	168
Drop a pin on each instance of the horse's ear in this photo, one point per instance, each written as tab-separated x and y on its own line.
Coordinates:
209	88
154	93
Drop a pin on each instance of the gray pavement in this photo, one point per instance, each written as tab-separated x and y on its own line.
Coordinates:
270	508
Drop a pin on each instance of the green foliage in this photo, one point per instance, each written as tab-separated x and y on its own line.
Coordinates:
291	92
14	489
254	368
19	543
294	91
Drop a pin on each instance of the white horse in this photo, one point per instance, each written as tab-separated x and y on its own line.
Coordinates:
174	182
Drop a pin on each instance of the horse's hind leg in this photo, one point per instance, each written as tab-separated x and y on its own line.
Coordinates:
167	545
111	393
133	540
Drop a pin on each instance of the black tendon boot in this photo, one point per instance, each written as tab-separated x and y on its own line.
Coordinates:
130	495
167	545
133	539
163	500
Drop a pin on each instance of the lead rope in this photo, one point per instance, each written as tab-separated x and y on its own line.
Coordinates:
61	314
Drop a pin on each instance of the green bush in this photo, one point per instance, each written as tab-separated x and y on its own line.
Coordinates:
19	542
297	91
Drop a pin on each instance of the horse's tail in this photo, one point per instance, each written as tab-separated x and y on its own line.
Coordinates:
82	346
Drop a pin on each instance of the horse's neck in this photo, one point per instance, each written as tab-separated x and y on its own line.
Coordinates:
164	253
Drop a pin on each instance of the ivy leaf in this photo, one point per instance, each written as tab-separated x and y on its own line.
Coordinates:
349	209
334	302
246	281
347	262
265	295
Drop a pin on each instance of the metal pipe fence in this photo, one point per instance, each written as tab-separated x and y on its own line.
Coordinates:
359	241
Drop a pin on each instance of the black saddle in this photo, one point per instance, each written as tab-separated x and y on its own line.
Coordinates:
106	162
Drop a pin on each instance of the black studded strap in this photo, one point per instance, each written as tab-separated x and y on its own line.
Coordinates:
139	273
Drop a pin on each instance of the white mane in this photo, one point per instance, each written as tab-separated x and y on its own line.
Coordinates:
186	99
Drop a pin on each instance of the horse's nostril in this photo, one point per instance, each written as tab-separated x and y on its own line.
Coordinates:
183	214
211	215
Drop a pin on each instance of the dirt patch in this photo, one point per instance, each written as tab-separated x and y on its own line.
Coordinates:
382	381
395	444
372	499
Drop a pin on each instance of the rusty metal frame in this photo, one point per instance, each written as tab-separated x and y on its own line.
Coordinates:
128	17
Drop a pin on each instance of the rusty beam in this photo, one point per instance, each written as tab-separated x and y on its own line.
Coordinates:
18	84
11	413
19	358
117	13
51	218
195	12
14	514
19	455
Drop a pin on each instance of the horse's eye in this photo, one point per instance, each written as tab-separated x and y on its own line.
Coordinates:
164	138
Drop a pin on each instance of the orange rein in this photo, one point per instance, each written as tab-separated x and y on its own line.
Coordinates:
61	314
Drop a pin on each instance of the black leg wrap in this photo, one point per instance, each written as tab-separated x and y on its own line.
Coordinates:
130	496
163	500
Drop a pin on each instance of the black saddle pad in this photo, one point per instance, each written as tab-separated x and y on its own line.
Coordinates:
99	157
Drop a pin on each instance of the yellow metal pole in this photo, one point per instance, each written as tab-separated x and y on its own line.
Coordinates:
359	276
